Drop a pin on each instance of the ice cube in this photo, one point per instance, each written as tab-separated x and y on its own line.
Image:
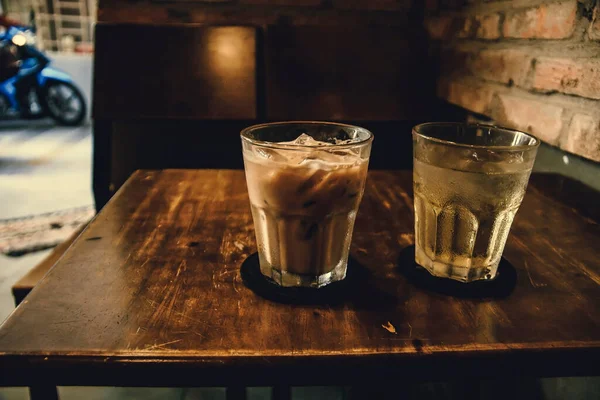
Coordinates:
302	139
306	140
271	154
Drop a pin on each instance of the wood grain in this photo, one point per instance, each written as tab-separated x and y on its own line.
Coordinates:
150	294
24	285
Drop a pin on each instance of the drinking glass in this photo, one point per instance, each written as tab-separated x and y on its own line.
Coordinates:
469	181
305	181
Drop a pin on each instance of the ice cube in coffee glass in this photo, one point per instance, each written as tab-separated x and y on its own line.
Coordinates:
469	181
305	182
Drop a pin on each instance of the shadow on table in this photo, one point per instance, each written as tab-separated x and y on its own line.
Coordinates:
502	286
357	289
362	291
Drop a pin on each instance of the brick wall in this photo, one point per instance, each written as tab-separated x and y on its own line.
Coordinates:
532	65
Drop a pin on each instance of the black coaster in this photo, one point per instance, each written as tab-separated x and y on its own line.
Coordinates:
334	293
501	286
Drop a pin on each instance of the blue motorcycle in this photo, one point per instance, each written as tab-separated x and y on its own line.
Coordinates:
30	87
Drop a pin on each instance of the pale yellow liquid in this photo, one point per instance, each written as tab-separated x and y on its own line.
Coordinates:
462	219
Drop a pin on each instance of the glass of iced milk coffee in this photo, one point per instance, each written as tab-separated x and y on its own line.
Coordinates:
305	182
469	181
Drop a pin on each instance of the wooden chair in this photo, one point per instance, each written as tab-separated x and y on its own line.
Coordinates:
24	285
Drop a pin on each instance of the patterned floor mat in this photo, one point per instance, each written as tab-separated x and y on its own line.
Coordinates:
19	236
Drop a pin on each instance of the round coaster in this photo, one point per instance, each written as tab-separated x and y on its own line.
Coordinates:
334	293
501	286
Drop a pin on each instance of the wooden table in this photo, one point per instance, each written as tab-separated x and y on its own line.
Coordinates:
151	295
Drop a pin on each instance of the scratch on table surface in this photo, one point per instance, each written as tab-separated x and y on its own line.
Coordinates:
182	265
71	321
165	307
535	285
194	332
214	281
226	272
144	263
235	288
560	253
162	345
179	313
407	200
406	239
148	242
389	327
175	203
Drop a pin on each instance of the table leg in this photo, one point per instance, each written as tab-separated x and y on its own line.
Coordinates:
235	393
43	393
281	393
398	391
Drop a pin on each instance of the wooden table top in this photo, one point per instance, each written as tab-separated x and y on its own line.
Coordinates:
151	294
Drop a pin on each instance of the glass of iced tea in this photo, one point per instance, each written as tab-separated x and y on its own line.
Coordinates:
469	181
305	182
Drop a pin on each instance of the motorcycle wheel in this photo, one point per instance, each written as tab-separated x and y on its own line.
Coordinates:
63	102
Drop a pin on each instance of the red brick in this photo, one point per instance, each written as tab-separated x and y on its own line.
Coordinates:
466	29
389	5
473	96
312	3
547	21
446	27
594	31
580	76
537	117
487	26
480	26
503	66
584	137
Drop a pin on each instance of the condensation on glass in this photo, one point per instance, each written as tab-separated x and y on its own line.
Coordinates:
469	181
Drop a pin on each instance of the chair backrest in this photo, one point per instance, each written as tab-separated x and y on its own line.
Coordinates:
195	72
359	73
178	96
170	97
